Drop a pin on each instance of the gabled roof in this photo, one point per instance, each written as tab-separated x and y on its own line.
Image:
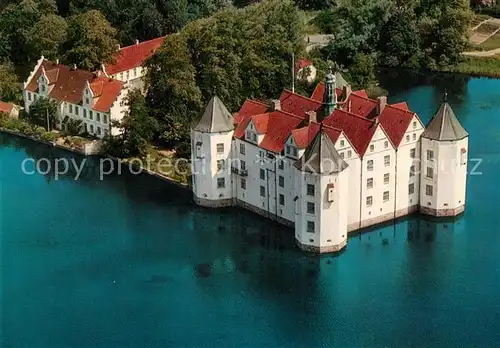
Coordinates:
279	127
297	104
6	107
444	126
249	108
319	91
359	104
402	106
358	130
133	56
395	122
68	85
302	63
305	135
321	157
216	118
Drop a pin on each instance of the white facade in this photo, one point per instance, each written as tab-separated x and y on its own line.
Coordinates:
385	183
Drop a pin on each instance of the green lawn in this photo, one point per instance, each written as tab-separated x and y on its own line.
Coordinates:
478	66
491	44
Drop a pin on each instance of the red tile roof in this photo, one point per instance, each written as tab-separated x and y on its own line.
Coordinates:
360	105
261	121
6	107
304	136
319	91
358	130
302	63
250	108
297	104
402	105
68	85
133	56
279	127
395	122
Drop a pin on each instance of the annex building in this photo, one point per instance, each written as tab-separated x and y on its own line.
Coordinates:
331	163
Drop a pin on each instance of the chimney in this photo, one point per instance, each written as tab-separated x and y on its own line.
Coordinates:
311	117
73	67
136	42
275	105
349	105
57	61
381	103
346	91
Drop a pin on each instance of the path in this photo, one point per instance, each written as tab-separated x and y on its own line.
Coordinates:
483	53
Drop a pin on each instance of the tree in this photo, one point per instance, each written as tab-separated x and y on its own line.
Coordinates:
91	41
48	35
10	88
362	71
137	129
43	111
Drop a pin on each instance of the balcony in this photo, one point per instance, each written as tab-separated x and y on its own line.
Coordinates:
240	172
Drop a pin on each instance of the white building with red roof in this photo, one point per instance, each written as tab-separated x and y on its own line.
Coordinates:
330	164
305	70
9	109
89	97
128	62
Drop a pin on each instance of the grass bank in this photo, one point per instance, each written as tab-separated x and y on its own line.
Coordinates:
477	66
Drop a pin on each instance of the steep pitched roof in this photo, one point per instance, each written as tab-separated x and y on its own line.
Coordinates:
280	125
358	130
6	107
67	85
402	105
305	135
359	104
302	63
321	157
319	91
297	104
249	108
444	126
216	118
133	56
395	122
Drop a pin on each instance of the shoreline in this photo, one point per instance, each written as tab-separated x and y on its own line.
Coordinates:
79	152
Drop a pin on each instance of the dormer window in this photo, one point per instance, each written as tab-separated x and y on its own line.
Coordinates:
254	137
342	143
86	92
87	101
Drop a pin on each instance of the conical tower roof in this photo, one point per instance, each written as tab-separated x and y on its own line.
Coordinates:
340	82
445	126
321	157
216	118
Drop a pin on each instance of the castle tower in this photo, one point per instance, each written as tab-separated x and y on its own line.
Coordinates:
443	169
321	203
330	97
211	149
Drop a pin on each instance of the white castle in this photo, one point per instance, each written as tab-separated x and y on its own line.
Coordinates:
330	164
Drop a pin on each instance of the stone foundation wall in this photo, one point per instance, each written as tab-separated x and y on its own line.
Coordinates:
265	213
211	203
407	211
442	212
322	250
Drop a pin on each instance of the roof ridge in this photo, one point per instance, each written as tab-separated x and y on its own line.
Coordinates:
405	111
302	96
142	42
354	115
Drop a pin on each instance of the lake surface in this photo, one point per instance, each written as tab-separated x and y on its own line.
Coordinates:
130	261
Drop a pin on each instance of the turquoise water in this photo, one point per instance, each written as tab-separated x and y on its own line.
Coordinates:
131	262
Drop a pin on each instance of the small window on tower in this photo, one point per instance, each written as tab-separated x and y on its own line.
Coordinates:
386	196
310	226
220	148
243	184
262	191
412	153
412	171
310	208
310	190
411	189
254	137
221	183
430	172
281	181
262	174
430	155
282	199
295	152
429	190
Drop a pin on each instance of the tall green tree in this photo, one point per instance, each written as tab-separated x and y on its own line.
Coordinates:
43	112
91	41
48	36
10	88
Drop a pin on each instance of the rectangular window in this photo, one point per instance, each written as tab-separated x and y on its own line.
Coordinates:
262	174
261	154
295	152
372	148
412	153
369	201
408	138
281	164
430	155
411	189
91	128
310	190
429	190
248	135
87	101
105	119
386	196
310	208
98	130
29	96
70	108
98	117
386	144
220	148
76	111
254	137
430	172
369	183
91	117
282	199
220	165
386	178
243	184
288	149
85	113
349	153
243	165
414	124
414	136
221	182
369	165
341	155
341	143
262	191
242	149
281	181
310	226
387	161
